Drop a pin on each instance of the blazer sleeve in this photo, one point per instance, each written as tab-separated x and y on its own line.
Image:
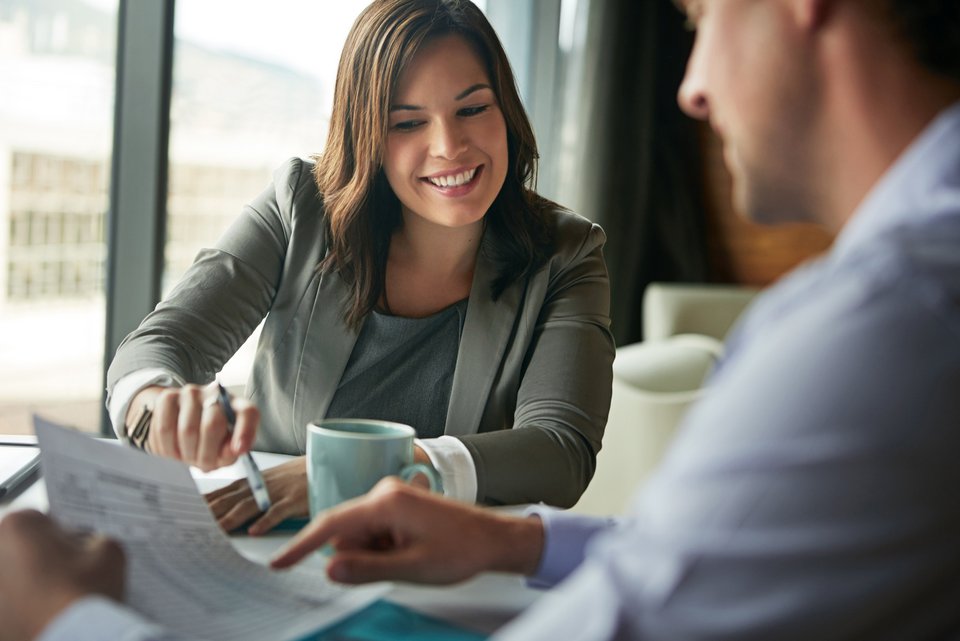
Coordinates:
564	393
224	294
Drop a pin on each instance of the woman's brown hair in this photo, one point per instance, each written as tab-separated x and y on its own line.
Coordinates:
362	211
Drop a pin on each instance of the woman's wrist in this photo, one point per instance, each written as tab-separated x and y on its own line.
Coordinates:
136	427
146	396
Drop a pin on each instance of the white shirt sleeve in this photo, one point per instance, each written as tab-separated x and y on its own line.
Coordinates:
451	458
118	400
97	618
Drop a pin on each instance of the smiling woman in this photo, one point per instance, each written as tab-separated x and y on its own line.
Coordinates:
446	161
408	273
445	141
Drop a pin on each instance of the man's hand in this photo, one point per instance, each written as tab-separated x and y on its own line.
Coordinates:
189	425
234	505
403	533
44	569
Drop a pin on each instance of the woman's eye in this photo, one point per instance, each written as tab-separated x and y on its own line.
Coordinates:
407	125
473	111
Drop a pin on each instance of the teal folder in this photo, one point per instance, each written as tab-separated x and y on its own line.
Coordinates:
385	621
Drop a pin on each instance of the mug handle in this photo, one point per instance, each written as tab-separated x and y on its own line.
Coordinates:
433	477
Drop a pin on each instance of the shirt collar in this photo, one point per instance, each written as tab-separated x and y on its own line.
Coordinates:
908	191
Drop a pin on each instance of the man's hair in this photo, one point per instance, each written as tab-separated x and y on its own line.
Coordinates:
932	29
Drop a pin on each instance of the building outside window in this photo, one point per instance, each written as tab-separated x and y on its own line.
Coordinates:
57	81
247	93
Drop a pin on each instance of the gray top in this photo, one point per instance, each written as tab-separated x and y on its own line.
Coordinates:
401	369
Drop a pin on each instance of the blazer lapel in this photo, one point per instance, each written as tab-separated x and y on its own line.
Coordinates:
326	349
486	332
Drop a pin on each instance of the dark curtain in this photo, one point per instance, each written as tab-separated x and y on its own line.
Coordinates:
641	169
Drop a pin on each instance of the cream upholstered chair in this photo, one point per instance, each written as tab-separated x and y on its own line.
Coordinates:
656	381
679	308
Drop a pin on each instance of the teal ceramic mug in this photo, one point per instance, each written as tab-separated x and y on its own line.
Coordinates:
346	457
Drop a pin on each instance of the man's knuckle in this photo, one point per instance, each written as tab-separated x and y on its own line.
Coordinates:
11	523
392	490
111	550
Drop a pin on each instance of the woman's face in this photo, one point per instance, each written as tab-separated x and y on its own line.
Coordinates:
446	152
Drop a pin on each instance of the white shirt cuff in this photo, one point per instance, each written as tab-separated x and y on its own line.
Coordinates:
451	458
129	386
95	618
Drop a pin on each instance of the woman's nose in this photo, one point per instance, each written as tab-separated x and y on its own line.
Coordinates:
447	140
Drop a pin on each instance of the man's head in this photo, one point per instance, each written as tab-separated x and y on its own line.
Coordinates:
815	98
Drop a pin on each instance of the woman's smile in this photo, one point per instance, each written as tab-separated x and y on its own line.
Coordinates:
456	184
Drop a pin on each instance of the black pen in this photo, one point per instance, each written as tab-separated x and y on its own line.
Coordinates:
254	478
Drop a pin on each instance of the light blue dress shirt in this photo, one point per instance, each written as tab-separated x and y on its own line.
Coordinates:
812	493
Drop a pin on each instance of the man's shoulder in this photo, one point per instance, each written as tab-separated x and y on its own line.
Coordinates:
922	259
904	281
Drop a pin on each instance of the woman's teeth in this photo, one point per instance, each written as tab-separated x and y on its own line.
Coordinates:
454	180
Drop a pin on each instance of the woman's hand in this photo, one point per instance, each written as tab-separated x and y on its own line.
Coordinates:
234	505
189	425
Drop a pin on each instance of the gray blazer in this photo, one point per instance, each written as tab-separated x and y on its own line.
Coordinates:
531	390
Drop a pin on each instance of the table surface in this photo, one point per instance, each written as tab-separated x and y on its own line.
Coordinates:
484	603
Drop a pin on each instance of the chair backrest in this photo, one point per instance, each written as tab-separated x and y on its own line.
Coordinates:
657	380
654	383
681	308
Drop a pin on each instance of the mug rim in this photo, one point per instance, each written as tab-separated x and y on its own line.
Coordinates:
319	427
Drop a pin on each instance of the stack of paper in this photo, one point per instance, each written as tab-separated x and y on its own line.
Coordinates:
183	572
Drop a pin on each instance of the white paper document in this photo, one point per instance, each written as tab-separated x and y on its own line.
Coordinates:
182	570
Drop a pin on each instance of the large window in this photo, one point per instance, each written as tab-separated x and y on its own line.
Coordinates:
57	74
251	86
248	94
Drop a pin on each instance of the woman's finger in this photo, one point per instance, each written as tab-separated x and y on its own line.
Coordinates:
271	518
163	427
213	432
188	424
213	498
245	431
243	511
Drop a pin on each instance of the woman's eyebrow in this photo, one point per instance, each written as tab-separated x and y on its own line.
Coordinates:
460	96
469	90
